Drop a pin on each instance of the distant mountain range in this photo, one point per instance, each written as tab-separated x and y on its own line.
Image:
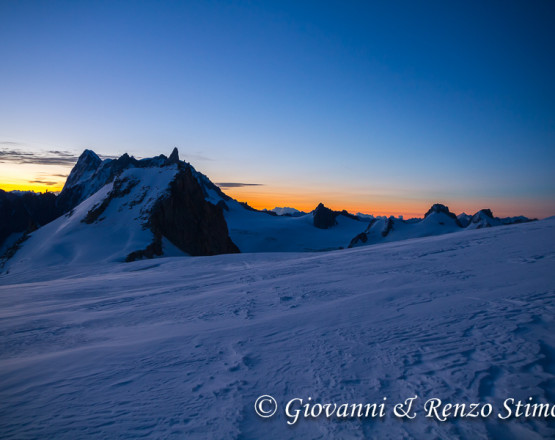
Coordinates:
127	209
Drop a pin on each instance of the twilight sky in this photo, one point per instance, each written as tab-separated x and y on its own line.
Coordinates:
377	107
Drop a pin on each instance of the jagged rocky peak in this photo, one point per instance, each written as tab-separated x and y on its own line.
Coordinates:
90	173
87	163
324	218
174	157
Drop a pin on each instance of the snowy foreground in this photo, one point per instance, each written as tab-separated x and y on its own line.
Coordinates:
182	347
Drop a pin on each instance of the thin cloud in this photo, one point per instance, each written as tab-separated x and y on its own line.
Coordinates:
237	184
62	153
194	156
42	175
44	182
12	144
52	157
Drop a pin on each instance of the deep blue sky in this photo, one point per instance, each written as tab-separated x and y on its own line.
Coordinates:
377	107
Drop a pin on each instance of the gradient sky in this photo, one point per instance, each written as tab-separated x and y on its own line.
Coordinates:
381	108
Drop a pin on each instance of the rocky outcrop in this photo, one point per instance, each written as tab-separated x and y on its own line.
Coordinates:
154	249
485	213
360	238
324	218
388	227
189	221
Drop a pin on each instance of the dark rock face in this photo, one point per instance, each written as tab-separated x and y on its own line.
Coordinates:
324	218
25	212
174	157
190	222
387	227
362	237
486	212
152	250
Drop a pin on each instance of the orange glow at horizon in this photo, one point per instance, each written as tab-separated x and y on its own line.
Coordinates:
380	206
52	179
35	187
308	203
32	177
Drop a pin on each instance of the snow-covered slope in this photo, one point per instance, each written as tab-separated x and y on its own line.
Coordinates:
254	231
182	347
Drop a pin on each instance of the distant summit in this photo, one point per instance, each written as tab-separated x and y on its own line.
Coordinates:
288	211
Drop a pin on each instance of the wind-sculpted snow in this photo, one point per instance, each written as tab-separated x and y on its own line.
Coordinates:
182	347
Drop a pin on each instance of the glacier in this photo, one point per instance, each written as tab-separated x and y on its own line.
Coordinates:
181	347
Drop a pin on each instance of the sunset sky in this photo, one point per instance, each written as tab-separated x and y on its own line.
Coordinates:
374	107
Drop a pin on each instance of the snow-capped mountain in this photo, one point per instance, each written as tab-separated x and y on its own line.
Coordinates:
126	209
437	221
287	211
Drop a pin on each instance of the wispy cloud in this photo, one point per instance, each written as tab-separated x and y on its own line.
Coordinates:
44	182
51	157
237	184
193	156
12	144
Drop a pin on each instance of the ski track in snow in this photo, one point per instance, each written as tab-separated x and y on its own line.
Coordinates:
182	347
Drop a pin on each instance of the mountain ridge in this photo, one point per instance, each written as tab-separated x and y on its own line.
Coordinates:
183	211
